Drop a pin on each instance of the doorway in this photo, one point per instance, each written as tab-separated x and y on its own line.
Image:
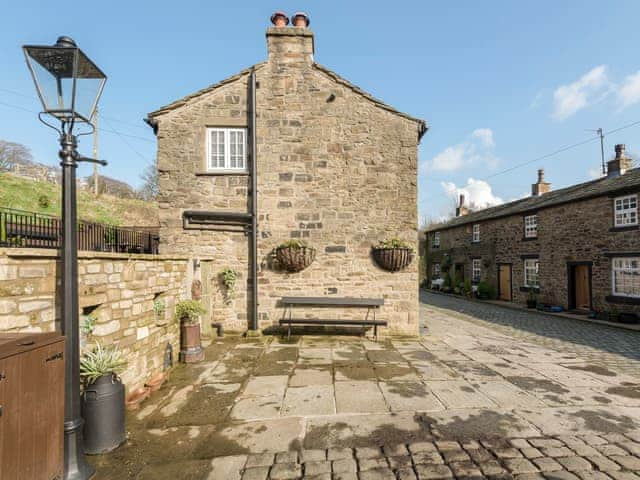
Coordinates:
579	286
504	282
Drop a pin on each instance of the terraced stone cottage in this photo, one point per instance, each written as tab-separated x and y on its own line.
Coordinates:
576	247
287	149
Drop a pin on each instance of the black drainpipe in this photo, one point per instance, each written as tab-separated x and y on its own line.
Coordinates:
254	204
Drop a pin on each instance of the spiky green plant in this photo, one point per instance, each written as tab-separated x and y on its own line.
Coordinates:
100	361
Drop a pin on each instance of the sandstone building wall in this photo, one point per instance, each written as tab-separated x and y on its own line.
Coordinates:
336	168
119	290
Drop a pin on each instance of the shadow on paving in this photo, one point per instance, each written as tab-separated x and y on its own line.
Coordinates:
601	337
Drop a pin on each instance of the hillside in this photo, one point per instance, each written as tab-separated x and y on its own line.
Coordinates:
44	197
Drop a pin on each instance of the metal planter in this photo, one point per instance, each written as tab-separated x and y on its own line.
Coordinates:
103	413
393	259
295	259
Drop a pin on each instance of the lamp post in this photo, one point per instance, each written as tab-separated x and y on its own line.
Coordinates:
69	85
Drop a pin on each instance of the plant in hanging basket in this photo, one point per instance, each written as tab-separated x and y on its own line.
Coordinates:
393	255
294	255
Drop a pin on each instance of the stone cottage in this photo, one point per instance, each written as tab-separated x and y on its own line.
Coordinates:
577	247
335	167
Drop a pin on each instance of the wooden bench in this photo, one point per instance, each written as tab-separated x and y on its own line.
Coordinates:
371	304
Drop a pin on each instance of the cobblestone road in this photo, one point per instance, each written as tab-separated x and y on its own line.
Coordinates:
618	349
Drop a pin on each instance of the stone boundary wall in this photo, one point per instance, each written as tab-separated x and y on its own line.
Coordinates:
119	290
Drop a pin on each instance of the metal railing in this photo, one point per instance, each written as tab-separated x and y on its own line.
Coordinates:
23	229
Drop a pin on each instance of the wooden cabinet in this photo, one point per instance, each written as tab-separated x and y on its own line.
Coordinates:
32	406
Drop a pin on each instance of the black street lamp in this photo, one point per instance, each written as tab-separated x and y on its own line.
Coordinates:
69	85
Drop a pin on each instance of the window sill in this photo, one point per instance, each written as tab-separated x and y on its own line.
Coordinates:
217	173
529	239
623	300
625	228
528	289
475	242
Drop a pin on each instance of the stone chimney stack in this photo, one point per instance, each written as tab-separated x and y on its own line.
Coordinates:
461	209
290	45
540	186
619	165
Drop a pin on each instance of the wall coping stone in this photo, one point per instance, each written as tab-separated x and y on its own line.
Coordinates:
83	254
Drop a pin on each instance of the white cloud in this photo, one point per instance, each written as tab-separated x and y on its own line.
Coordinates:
535	103
476	149
629	91
451	158
573	97
477	193
595	173
485	135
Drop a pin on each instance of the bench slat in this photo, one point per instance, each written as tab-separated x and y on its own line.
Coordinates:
314	321
336	301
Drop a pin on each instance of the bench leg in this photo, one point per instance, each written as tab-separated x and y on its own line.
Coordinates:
289	330
375	332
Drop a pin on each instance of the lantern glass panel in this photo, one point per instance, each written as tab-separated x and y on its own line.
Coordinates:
68	83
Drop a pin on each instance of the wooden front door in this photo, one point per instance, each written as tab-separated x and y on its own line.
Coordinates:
582	287
504	282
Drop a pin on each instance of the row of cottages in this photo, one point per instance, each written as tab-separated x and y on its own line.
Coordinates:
317	159
578	247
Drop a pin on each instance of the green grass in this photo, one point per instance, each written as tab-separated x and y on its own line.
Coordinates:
42	197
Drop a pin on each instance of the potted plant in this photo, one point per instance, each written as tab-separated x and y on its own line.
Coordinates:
614	313
102	400
188	313
393	255
294	255
532	299
466	288
446	285
484	290
159	311
228	277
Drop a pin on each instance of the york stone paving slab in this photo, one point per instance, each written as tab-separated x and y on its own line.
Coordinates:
467	396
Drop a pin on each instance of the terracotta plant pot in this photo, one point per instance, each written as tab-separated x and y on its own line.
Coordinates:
393	259
135	398
190	346
295	259
279	19
155	382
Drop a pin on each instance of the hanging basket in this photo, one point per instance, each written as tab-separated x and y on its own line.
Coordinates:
393	259
295	259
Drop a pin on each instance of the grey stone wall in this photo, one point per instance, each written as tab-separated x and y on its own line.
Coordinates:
335	169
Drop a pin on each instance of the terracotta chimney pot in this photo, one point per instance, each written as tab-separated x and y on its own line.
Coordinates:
279	19
300	19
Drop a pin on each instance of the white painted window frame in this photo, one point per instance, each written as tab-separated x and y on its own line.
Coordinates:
227	158
629	266
625	216
435	240
528	265
476	232
476	269
436	270
531	226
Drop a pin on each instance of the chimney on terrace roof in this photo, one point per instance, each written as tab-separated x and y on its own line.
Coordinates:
540	186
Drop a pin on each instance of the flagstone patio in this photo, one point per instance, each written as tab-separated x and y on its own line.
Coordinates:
460	383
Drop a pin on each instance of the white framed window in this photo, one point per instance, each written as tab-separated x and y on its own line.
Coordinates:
476	270
435	240
626	276
626	210
436	270
531	272
226	149
531	226
476	232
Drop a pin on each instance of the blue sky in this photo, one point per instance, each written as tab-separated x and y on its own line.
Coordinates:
500	83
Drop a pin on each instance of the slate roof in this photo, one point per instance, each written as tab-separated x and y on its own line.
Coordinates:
595	188
422	125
